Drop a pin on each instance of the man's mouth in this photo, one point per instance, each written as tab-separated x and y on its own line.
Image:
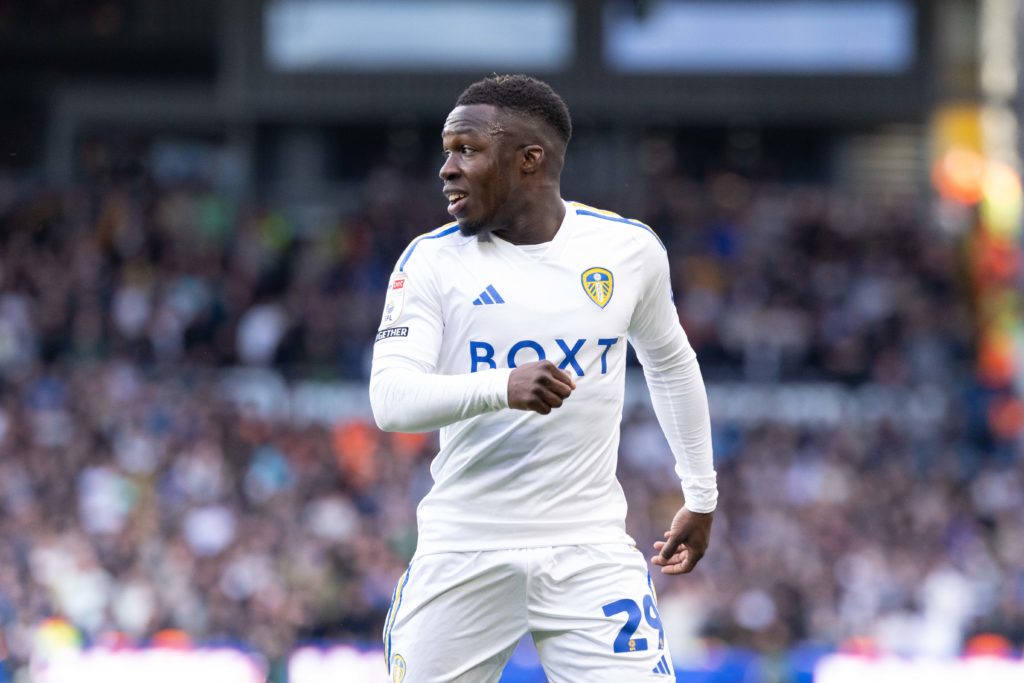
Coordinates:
456	200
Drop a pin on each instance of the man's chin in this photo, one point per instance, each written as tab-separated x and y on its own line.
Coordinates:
470	228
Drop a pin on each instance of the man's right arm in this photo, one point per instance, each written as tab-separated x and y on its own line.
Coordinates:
409	400
406	392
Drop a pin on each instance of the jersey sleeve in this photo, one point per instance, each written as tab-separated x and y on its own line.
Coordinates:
674	381
406	393
412	321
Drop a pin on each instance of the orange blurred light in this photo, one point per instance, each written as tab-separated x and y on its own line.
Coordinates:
355	444
408	444
959	175
988	645
996	366
862	646
171	639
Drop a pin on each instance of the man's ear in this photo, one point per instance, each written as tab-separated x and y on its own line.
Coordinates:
533	158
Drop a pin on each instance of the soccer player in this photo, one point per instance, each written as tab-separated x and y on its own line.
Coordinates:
507	330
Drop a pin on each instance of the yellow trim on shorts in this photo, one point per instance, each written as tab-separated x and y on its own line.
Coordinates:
393	614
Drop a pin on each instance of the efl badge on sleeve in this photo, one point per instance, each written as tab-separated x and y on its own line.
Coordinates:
395	300
598	283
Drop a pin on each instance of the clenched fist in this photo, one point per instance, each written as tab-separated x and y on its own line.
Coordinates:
538	386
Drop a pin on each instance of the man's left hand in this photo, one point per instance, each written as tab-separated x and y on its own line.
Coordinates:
685	542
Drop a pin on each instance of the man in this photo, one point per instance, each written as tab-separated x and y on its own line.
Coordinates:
518	309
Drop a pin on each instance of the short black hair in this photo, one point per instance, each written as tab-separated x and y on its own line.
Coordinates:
522	94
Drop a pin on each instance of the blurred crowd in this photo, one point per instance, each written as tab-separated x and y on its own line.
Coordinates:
774	283
187	276
135	499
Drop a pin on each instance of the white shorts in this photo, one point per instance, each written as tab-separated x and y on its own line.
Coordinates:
591	611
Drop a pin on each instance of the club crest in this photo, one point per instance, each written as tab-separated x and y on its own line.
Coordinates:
397	669
599	284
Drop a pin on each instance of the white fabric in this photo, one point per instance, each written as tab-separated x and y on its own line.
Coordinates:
681	404
457	617
412	401
507	478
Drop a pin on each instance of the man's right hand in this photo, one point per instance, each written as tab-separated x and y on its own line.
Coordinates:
539	386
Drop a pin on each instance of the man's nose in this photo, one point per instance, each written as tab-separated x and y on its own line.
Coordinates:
449	169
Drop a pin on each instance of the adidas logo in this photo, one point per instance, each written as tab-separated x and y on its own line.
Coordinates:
663	669
488	296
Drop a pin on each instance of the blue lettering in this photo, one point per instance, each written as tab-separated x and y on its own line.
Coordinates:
519	346
607	344
476	357
570	355
481	354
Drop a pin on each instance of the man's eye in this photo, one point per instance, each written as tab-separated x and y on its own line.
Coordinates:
461	149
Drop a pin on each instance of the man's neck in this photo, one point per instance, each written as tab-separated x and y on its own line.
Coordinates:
537	222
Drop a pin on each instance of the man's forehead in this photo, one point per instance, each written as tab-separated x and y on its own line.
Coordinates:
473	118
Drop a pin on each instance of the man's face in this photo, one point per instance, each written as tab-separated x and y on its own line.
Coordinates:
479	169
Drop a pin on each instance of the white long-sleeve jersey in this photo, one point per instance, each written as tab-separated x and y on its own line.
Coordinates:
461	312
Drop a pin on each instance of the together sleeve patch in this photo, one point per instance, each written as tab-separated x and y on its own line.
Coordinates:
392	332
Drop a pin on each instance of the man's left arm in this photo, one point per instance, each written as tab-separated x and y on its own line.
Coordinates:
681	406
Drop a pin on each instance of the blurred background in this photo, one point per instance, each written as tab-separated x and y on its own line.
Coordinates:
200	204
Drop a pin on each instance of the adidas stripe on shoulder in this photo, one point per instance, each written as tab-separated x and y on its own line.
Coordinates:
584	210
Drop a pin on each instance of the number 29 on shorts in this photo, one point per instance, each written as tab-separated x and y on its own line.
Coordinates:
624	641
